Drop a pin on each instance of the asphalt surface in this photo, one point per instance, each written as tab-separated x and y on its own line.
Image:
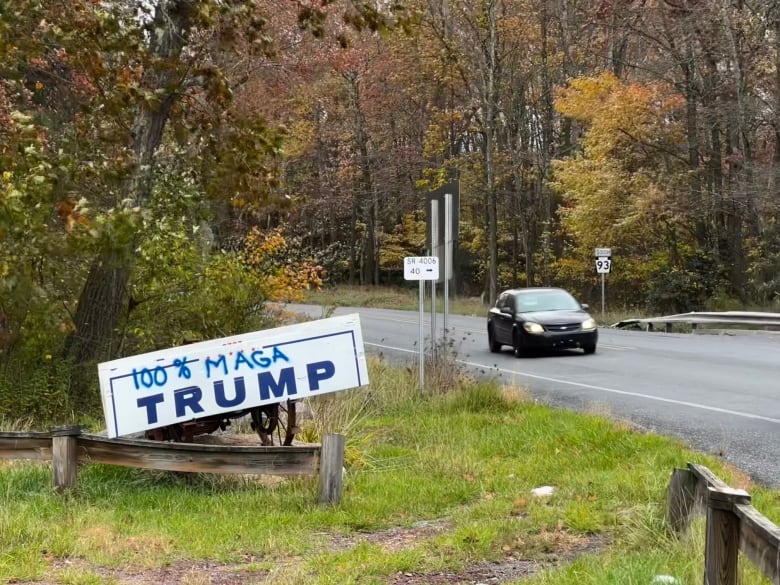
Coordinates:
716	393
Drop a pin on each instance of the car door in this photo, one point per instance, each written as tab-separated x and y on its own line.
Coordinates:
503	317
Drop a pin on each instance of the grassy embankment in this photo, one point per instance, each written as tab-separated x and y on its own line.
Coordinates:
407	298
437	490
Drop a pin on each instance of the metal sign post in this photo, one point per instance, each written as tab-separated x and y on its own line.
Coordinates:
421	340
602	295
447	258
603	265
434	252
421	268
443	242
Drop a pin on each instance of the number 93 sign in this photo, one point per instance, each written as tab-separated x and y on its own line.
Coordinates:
603	265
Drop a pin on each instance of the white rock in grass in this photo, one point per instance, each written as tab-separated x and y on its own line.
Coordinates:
545	490
665	580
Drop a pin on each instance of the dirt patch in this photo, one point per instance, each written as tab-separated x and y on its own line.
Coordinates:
482	573
562	548
180	573
392	539
511	568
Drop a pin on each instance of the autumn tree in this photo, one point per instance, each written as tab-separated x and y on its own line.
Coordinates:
131	105
717	56
352	162
626	191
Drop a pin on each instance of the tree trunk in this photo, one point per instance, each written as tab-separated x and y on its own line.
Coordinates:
692	130
776	101
489	103
365	187
545	154
99	310
101	301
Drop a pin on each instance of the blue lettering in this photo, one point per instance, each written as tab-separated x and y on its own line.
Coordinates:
263	362
319	371
222	361
222	400
148	378
241	358
270	386
185	397
278	355
150	403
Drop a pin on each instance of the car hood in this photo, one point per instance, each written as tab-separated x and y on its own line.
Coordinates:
554	317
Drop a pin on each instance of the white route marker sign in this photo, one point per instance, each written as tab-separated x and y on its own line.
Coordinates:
421	268
603	265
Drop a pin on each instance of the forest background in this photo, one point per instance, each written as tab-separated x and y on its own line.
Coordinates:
169	166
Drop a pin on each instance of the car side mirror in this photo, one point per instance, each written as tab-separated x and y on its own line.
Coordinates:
585	306
506	310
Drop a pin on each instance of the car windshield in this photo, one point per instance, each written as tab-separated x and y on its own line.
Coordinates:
546	301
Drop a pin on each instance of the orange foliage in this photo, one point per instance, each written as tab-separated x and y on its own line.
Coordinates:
66	210
622	115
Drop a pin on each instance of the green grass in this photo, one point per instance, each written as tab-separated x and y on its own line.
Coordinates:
463	461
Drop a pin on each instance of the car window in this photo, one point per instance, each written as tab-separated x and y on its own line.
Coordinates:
547	301
511	302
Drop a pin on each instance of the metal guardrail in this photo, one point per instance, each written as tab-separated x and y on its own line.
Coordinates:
767	321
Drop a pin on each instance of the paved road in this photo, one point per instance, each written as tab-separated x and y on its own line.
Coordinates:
718	393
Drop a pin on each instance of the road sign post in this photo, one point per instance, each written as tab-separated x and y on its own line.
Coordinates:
603	266
422	268
442	241
447	259
602	295
434	252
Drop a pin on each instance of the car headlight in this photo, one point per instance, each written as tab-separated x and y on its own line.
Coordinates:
589	323
533	327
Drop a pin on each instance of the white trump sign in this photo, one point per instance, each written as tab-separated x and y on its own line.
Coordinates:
176	385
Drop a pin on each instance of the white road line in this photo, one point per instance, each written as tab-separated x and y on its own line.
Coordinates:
602	388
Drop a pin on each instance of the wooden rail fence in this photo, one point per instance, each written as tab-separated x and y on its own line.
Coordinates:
67	447
733	525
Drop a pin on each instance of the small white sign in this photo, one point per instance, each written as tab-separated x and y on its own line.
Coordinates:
421	268
602	252
603	265
176	385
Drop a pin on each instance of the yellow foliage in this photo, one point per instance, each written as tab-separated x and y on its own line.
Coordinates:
623	184
259	245
301	138
284	279
578	99
627	117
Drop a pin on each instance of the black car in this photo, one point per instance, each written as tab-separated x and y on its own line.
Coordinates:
540	318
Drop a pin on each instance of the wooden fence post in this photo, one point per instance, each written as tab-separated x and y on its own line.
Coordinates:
681	500
64	456
331	468
721	548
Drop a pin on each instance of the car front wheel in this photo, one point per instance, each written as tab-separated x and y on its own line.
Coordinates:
517	346
495	347
589	349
